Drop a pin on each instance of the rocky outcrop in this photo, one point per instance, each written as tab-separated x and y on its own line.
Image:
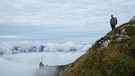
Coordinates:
133	19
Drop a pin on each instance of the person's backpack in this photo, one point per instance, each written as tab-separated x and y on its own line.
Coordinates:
115	21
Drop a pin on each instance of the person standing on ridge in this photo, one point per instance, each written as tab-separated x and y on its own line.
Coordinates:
113	22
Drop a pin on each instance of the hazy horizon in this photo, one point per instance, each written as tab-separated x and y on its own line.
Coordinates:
61	20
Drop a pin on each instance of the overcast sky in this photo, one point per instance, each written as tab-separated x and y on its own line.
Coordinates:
71	20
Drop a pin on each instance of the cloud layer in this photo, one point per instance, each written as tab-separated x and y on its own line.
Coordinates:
27	64
15	47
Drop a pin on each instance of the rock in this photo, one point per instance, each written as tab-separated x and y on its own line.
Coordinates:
47	71
133	19
41	65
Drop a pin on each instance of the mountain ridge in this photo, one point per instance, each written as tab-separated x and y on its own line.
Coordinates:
112	55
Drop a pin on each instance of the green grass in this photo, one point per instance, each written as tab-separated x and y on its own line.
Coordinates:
117	59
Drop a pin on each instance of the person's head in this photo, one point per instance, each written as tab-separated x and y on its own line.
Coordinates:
112	16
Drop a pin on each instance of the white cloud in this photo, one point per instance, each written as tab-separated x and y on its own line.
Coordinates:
10	36
37	12
27	64
7	46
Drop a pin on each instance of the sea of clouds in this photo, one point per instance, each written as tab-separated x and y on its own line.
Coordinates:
14	47
27	63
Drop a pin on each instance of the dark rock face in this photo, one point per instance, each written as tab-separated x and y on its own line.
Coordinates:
133	19
41	48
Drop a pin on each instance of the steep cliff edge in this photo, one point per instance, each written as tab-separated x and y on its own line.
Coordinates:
112	55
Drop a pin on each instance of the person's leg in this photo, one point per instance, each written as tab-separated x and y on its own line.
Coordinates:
112	27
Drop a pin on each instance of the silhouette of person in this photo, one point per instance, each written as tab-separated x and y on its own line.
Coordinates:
113	22
41	65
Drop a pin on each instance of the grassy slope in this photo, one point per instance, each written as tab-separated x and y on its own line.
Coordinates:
117	59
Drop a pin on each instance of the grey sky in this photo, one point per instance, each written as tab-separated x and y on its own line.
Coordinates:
60	19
